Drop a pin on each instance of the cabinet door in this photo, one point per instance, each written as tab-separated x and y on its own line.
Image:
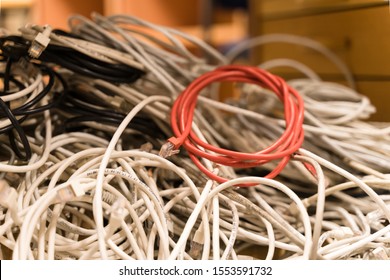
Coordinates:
359	37
277	9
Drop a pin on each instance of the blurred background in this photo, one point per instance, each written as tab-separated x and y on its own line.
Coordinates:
357	31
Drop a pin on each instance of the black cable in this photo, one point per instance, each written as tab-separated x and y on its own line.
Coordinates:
17	47
7	75
82	64
85	107
16	82
89	107
140	133
29	107
14	47
18	128
77	103
26	109
9	127
40	95
143	125
14	121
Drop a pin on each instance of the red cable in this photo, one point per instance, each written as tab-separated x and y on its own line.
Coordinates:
289	142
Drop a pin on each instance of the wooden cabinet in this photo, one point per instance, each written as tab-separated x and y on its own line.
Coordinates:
356	31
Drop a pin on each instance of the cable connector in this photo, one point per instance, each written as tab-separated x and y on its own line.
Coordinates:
170	148
146	147
64	195
40	42
338	234
73	190
117	213
9	200
197	242
342	233
379	253
376	216
293	207
116	101
77	188
8	195
245	258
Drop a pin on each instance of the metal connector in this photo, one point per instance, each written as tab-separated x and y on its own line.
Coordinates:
167	150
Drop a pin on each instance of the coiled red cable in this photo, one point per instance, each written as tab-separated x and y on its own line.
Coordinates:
289	142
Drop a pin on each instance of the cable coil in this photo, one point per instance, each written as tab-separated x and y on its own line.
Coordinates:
183	113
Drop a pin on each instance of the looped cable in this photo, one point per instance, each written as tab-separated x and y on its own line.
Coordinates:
183	112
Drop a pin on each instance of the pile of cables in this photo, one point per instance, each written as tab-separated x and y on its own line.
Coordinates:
91	124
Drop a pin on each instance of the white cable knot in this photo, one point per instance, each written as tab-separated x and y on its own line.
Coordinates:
9	200
117	208
380	253
117	213
337	234
8	195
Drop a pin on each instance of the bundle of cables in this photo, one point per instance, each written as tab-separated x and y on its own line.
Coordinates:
28	89
78	55
85	105
168	63
183	113
38	53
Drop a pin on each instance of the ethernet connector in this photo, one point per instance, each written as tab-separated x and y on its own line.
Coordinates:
40	42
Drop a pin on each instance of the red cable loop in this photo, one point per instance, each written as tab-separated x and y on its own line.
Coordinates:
289	142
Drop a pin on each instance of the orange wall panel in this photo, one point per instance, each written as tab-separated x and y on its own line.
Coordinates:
164	12
56	13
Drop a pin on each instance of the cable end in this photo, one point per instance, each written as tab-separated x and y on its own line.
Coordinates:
8	195
41	41
196	245
167	150
117	213
379	253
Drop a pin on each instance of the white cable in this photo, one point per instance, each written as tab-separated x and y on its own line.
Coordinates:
292	39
